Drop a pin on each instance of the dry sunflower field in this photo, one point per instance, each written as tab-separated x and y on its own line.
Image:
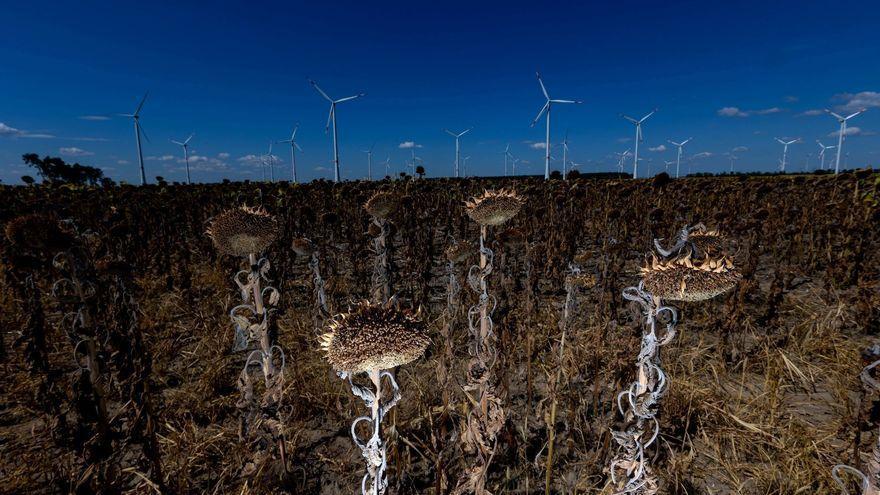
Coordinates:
163	339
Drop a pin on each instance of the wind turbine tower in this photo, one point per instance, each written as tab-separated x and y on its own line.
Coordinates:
137	135
822	153
332	117
293	147
546	109
678	157
369	153
843	120
639	138
185	146
457	147
785	145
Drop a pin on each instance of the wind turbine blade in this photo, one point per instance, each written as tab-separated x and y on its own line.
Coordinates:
627	117
779	140
176	142
639	132
686	141
853	115
188	139
141	128
835	114
349	98
646	116
566	101
450	133
507	149
297	147
543	109
141	105
318	88
543	89
293	134
465	132
124	115
329	117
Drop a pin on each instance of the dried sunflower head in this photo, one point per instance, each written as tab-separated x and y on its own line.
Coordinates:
243	231
706	242
679	279
38	233
374	337
303	246
381	204
460	251
494	207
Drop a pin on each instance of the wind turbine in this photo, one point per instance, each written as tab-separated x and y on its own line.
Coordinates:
457	146
620	158
678	158
269	160
387	162
464	165
185	145
332	117
842	120
668	163
546	109
733	158
507	155
515	160
822	153
293	148
369	153
565	156
137	135
638	124
785	145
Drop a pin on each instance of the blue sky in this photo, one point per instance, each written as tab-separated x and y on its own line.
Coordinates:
730	75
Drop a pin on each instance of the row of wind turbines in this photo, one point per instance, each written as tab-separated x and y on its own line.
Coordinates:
545	111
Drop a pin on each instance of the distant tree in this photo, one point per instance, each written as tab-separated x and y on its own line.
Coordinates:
420	171
57	170
403	175
556	174
27	179
107	182
574	174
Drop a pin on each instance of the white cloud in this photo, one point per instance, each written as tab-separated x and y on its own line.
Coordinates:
408	145
538	146
94	117
740	149
850	131
12	132
74	151
624	140
704	154
662	147
737	112
791	99
163	158
223	156
858	101
7	131
811	113
122	162
732	112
